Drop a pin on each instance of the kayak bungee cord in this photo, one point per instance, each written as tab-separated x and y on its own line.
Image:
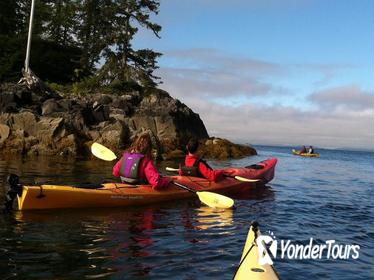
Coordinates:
241	262
255	227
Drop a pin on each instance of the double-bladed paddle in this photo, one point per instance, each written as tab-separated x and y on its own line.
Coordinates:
209	198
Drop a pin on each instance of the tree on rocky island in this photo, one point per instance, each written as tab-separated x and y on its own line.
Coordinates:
122	62
95	37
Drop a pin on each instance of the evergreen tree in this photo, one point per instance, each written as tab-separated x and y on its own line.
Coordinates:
76	37
94	21
54	54
9	20
61	22
41	14
122	62
12	49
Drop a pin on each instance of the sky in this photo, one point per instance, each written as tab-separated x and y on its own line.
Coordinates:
271	72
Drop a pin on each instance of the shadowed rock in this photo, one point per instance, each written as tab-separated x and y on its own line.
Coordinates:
37	123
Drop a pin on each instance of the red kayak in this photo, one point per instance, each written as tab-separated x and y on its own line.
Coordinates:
263	170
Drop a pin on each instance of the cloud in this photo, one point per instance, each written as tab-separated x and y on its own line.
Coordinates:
198	77
286	125
344	98
325	73
215	73
212	73
210	83
216	59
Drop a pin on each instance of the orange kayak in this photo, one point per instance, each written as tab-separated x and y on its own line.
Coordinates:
120	194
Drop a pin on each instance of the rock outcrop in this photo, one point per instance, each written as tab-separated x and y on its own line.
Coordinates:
49	124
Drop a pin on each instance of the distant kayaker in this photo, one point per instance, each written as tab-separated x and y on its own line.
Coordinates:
136	165
303	150
311	150
196	166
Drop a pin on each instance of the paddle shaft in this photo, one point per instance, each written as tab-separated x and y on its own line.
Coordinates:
184	187
228	176
239	178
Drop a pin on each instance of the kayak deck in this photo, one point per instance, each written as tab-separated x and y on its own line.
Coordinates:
249	267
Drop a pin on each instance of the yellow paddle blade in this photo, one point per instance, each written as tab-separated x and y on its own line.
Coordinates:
215	200
172	169
102	152
239	178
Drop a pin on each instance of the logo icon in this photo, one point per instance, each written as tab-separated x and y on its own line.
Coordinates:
263	254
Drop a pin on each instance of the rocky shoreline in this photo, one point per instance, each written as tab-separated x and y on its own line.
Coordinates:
47	123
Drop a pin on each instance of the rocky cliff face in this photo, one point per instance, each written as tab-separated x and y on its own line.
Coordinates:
49	124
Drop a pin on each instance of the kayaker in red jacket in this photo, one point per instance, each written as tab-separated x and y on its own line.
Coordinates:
136	165
196	166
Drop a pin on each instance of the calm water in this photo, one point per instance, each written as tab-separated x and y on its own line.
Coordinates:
321	198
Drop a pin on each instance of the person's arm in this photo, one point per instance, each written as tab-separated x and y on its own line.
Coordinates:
209	173
116	168
153	177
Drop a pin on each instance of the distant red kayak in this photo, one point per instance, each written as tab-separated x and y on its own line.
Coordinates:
120	195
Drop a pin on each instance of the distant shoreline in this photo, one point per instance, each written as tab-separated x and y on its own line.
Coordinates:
317	148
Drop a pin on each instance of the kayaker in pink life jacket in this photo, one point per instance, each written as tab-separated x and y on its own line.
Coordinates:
136	165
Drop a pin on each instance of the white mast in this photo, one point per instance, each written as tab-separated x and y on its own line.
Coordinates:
29	37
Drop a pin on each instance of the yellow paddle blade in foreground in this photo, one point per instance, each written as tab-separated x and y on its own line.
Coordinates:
215	200
102	152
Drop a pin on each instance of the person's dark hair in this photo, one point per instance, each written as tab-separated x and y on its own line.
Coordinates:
192	145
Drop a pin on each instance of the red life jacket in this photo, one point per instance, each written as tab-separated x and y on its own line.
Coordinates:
194	169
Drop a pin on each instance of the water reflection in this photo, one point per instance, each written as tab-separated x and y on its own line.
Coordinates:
106	241
207	217
326	199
